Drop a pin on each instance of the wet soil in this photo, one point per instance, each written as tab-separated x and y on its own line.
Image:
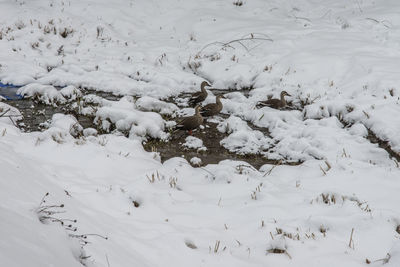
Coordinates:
383	144
35	114
105	95
374	139
215	152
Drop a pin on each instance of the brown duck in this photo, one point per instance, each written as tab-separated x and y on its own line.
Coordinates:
213	108
199	96
192	122
275	103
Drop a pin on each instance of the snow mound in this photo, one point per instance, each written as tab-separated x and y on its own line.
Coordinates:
242	139
192	142
147	103
195	161
129	120
45	93
9	114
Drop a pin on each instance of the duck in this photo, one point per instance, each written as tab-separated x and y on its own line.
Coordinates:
192	122
274	102
213	108
199	96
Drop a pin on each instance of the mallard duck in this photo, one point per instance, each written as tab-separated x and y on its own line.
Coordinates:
192	122
213	108
199	96
274	102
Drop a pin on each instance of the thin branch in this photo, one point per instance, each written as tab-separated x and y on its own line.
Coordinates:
5	112
236	41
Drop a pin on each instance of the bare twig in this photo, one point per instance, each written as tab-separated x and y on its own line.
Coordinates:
273	167
108	263
228	44
5	112
328	165
216	247
322	169
351	242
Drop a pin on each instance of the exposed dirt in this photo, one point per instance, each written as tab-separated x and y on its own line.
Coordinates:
375	140
105	95
215	152
34	114
383	144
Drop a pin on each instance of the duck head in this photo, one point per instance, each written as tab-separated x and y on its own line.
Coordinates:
204	84
197	109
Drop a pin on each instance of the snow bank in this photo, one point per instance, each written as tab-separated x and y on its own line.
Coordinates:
147	103
44	93
129	120
194	143
242	139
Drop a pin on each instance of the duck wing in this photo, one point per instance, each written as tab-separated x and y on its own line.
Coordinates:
209	110
188	123
272	103
197	97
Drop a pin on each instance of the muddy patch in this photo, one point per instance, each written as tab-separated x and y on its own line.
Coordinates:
383	144
106	95
244	91
36	114
374	139
215	153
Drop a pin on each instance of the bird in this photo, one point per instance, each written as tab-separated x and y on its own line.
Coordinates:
275	103
192	122
213	108
199	96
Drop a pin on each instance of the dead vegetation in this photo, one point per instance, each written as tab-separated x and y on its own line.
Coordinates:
238	3
334	198
51	213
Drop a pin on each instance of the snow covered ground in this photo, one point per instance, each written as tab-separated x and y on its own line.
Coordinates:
337	59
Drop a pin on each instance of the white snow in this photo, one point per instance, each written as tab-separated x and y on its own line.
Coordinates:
127	119
147	103
192	142
339	61
242	139
195	161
